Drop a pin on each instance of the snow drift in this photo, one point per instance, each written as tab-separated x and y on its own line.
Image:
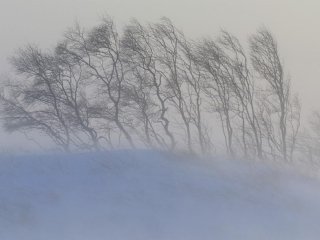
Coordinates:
144	195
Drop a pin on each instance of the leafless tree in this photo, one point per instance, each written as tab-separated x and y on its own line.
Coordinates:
33	102
217	87
72	82
308	141
243	87
151	85
139	44
294	122
101	52
194	76
267	63
167	41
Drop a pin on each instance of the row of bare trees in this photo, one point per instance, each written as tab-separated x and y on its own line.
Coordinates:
149	85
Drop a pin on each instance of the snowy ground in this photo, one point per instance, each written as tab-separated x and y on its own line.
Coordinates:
145	195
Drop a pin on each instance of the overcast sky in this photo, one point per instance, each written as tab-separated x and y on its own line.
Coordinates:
295	24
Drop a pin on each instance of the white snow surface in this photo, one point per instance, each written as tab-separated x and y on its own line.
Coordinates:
149	195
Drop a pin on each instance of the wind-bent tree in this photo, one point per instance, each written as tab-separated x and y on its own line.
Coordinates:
277	99
149	94
217	87
48	99
194	77
243	87
101	52
167	41
151	86
309	140
294	121
72	81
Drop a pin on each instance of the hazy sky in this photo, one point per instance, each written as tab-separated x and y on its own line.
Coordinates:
295	24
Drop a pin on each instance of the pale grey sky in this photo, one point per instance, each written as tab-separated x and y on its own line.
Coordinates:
295	23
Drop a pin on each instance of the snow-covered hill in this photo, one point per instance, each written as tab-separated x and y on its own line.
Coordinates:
147	195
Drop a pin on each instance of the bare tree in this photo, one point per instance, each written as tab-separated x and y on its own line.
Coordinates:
100	50
33	102
308	143
166	62
139	44
167	39
50	93
244	89
194	76
294	121
266	61
217	87
152	85
72	82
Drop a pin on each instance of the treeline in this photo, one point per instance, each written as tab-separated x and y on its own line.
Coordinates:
149	85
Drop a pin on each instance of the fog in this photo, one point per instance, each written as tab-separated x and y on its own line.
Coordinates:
200	162
294	24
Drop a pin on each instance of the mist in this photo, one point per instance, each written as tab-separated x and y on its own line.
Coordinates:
159	119
294	24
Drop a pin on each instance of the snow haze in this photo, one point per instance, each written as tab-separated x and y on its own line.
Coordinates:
142	195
